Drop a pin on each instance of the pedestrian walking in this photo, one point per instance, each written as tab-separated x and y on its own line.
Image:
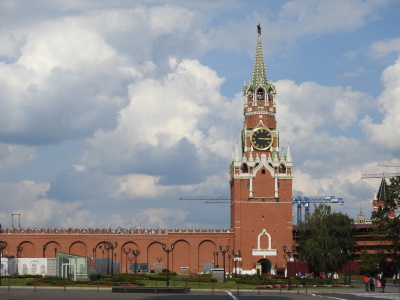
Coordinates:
383	284
372	284
366	283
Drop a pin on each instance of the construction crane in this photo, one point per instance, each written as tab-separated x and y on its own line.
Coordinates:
305	201
379	175
382	174
208	199
381	194
389	164
300	201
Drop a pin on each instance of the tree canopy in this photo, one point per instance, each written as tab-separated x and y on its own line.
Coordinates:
326	239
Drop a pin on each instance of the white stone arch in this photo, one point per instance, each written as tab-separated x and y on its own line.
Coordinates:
264	232
264	163
264	252
4	266
34	267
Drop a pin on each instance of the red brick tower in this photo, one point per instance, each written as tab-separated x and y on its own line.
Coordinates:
261	180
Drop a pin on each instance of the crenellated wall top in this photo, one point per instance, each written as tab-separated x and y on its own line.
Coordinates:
138	231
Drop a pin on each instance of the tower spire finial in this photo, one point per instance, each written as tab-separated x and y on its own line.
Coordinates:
259	72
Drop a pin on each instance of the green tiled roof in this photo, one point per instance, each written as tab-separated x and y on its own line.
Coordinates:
259	76
259	72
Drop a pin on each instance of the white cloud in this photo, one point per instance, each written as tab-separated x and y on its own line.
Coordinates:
381	49
385	135
16	196
67	215
159	218
52	84
324	106
74	72
139	185
184	107
63	44
354	74
296	20
14	156
316	16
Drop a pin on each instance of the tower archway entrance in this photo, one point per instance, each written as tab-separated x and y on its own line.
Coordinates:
264	266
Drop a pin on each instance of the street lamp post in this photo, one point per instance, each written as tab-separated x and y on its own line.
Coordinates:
289	253
108	258
235	263
348	269
126	251
3	245
346	254
44	250
236	258
110	246
19	251
115	259
130	261
229	264
168	251
135	254
223	252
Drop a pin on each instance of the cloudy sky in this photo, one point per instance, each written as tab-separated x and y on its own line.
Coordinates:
112	110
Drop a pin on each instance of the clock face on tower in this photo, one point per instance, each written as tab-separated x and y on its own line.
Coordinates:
261	138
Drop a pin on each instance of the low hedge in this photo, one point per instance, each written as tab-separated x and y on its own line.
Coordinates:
21	276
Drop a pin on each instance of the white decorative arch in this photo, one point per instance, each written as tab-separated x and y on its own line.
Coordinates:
264	232
264	163
264	252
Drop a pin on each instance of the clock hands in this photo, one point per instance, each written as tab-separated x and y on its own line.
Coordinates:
261	138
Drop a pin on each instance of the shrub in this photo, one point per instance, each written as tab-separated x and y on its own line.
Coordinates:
198	278
21	276
254	279
131	277
316	281
95	277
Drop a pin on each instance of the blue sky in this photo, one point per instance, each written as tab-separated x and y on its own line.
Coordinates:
112	110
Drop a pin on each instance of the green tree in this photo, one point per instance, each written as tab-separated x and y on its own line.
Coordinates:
368	263
325	239
386	224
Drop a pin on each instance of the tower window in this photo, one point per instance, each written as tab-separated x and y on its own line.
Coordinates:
260	94
263	172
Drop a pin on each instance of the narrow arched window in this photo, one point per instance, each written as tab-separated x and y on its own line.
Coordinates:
260	94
